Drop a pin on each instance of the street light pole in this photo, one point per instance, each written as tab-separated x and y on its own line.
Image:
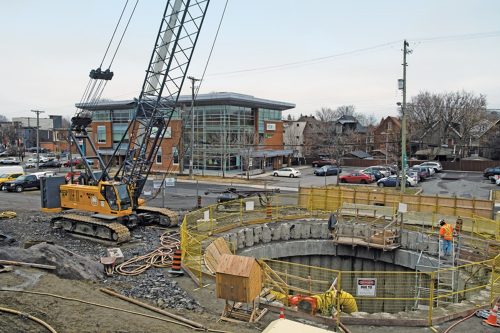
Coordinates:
37	138
403	125
191	143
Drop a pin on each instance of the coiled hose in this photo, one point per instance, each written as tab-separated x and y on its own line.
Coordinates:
161	257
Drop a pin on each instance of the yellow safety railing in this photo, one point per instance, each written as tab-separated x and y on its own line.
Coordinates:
387	291
395	290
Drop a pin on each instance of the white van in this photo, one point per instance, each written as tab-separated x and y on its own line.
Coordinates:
11	169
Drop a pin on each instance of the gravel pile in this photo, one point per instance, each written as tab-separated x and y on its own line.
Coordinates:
73	253
155	286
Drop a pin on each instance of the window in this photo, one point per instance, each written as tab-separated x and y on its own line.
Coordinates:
118	131
158	156
389	126
175	154
101	134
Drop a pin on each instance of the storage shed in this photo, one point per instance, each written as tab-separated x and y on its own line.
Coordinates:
238	278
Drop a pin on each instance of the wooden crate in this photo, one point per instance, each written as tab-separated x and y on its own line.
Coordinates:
238	278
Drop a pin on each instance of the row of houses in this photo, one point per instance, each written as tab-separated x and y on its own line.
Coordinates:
347	137
235	133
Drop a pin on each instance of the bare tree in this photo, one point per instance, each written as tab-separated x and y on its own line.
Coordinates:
345	110
3	118
326	114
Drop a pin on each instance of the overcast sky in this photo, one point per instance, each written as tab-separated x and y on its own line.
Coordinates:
312	53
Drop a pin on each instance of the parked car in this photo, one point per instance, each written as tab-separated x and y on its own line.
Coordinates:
35	149
374	172
327	170
51	164
357	177
7	177
423	172
10	160
433	164
488	172
386	171
323	161
26	181
393	167
286	172
431	170
413	174
76	161
393	181
4	153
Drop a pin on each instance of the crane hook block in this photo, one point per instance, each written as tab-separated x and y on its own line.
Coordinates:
98	74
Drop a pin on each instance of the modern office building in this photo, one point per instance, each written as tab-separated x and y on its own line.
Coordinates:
232	133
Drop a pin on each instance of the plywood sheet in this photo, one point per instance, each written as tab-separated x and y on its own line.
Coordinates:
214	252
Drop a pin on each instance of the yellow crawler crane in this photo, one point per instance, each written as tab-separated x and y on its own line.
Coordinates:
105	206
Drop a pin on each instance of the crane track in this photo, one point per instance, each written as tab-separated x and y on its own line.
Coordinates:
93	227
173	217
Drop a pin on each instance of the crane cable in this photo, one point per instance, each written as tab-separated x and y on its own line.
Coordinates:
212	48
169	171
94	90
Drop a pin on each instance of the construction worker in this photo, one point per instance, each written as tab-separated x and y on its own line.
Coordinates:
458	226
446	236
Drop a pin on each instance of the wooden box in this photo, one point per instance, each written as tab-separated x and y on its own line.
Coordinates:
238	278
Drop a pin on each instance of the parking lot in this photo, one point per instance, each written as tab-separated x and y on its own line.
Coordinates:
447	183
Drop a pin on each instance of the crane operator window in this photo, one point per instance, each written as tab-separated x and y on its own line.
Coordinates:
123	195
109	193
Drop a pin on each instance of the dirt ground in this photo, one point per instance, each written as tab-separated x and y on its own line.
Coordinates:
72	316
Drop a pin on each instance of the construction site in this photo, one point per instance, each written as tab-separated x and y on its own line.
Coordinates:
336	258
97	251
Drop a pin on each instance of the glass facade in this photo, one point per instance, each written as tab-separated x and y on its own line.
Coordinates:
221	132
267	115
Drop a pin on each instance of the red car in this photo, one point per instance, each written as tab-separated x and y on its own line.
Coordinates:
357	177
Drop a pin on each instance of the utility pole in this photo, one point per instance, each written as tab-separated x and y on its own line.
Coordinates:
37	137
191	143
403	125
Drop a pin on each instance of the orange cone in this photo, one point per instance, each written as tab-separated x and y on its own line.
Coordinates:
492	318
282	313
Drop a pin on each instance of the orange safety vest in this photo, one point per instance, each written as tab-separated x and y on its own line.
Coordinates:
446	232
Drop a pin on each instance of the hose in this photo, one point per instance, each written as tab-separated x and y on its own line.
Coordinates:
458	322
161	257
25	315
102	306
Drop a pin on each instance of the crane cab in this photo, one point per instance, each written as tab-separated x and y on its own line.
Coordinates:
107	198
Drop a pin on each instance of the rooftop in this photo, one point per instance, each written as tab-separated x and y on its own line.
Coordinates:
218	98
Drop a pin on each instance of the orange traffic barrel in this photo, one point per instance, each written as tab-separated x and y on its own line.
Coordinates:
176	268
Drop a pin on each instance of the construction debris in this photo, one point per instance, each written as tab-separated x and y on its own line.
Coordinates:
65	263
26	264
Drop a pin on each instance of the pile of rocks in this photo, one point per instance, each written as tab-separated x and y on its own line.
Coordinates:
155	286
